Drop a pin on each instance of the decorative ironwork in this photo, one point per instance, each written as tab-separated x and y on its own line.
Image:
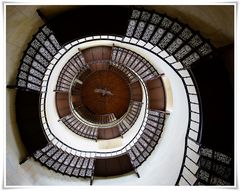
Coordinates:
27	59
195	41
35	73
135	14
203	175
166	39
78	61
152	123
56	165
176	28
139	65
33	87
22	83
22	75
37	154
36	44
145	16
119	54
174	45
204	49
206	152
45	53
41	37
148	32
157	35
185	34
43	158
50	162
152	117
38	66
142	69
205	163
46	30
41	60
222	170
166	23
45	149
114	54
155	19
183	52
131	27
152	112
24	67
63	157
54	41
57	154
31	52
68	159
34	80
52	151
218	181
222	157
50	47
74	161
139	29
151	128
191	59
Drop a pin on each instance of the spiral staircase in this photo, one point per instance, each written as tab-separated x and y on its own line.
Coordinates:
62	60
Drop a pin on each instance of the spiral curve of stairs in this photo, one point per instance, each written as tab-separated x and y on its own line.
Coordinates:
55	76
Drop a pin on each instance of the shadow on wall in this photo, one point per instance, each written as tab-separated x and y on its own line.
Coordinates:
214	22
12	125
21	24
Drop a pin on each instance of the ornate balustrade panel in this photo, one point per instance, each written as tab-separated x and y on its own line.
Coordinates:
168	34
68	164
39	53
148	139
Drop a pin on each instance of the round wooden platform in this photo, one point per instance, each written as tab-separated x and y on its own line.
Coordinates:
105	92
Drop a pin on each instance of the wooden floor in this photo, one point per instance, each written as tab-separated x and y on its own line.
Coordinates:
99	104
113	166
156	94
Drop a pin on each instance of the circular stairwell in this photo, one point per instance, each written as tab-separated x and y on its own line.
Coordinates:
66	73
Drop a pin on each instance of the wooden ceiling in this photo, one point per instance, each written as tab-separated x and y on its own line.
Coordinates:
116	103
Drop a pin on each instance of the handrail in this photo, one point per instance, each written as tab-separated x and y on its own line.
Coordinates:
199	139
87	122
186	155
94	152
